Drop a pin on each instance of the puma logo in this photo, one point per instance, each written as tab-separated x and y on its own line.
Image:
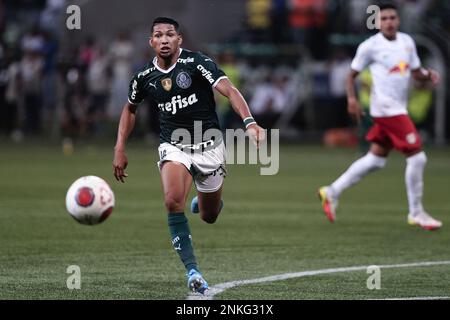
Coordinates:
153	84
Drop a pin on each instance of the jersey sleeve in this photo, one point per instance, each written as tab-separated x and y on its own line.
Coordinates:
415	60
363	57
209	70
136	94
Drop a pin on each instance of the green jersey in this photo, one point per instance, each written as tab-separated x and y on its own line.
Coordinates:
183	94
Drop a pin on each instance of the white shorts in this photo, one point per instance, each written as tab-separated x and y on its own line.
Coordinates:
207	168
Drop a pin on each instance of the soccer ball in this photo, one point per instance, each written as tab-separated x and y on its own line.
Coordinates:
90	200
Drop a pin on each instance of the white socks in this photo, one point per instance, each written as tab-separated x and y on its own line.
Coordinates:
356	172
415	166
414	181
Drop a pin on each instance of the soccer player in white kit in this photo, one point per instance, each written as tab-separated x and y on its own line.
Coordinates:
392	58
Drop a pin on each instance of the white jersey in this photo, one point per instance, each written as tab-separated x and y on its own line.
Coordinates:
390	64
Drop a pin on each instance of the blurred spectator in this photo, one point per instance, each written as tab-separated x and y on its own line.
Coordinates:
307	20
51	16
49	51
259	13
339	68
33	40
9	92
98	82
269	99
279	14
259	19
304	16
87	52
121	52
225	112
74	120
31	68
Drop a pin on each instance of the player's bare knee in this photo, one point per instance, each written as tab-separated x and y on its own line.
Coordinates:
174	203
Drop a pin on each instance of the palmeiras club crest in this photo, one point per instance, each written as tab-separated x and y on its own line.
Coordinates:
166	84
184	80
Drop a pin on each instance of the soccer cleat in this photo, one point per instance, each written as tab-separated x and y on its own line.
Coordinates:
196	283
424	220
329	204
194	205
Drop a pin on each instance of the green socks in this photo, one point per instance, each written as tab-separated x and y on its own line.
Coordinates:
181	239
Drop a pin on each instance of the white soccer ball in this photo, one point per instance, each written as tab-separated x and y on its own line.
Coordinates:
90	200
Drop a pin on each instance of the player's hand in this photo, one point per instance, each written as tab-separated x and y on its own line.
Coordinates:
354	109
435	78
256	134
120	163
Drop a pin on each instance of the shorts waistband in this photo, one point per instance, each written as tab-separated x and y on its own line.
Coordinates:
198	147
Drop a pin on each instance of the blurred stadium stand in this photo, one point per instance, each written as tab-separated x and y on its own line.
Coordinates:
56	82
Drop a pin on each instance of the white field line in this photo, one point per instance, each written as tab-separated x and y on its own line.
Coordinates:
221	287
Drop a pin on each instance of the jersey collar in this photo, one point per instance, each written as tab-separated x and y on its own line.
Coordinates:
155	63
387	40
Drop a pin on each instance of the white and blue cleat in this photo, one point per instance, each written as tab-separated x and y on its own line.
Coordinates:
194	205
196	283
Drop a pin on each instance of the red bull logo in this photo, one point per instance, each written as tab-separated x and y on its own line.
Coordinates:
401	68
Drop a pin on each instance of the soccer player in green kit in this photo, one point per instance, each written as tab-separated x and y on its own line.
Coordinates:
180	82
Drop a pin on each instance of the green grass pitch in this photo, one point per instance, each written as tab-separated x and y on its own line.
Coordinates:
270	225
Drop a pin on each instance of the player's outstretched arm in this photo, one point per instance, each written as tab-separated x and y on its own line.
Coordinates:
227	89
353	107
423	74
126	125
